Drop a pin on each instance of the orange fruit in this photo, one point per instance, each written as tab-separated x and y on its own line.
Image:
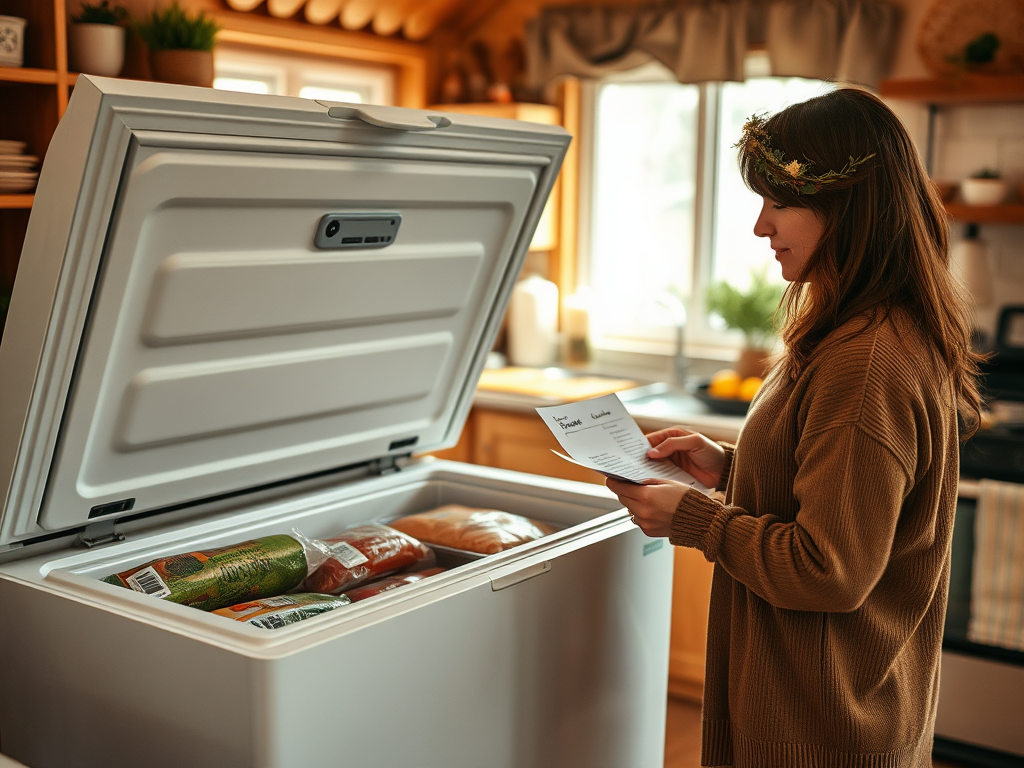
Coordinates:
725	384
748	388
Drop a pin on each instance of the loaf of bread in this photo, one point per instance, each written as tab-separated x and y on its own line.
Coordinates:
484	531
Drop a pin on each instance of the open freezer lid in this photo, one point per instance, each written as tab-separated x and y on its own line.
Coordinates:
221	291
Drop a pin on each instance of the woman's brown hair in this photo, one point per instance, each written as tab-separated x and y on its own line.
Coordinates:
885	239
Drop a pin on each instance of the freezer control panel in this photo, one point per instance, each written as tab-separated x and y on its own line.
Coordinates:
357	230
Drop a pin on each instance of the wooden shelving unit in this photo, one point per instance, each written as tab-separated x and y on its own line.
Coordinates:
939	92
1011	213
32	100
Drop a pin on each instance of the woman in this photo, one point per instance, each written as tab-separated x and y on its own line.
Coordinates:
831	549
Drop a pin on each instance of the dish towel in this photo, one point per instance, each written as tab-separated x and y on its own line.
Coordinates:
997	585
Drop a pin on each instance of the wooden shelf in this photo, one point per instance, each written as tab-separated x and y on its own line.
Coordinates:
966	89
24	75
1009	213
16	201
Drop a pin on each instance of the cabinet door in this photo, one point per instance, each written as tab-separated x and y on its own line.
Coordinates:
522	442
691	596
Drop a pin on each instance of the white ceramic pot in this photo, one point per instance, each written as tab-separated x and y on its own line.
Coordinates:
96	49
983	191
12	41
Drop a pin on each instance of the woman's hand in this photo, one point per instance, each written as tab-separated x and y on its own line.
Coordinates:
690	451
652	504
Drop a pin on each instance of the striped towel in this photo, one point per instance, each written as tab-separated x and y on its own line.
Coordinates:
997	584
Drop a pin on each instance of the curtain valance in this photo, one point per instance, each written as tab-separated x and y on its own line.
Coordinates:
845	40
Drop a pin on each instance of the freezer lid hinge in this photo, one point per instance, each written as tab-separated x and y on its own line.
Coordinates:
388	464
99	533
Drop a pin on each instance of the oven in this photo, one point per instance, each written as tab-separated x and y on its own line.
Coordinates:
980	721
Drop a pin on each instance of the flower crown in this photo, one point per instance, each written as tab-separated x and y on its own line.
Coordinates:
772	164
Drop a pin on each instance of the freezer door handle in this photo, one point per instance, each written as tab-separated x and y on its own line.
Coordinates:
387	117
506	580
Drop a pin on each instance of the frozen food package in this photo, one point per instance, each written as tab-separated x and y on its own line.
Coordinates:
365	553
217	578
484	531
391	582
280	611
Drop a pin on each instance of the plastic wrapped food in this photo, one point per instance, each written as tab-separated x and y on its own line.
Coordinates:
484	531
392	582
365	553
216	578
280	611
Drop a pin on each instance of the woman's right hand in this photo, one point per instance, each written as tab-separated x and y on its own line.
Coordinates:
690	451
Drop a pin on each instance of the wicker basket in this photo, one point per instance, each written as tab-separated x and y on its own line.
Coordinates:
950	25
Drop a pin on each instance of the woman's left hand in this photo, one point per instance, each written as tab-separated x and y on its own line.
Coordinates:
652	504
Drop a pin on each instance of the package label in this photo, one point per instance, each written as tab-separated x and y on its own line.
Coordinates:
148	582
348	555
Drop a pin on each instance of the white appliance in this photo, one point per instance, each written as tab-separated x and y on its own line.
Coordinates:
191	360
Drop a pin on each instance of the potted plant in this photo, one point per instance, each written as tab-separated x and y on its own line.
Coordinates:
985	187
96	39
180	45
751	312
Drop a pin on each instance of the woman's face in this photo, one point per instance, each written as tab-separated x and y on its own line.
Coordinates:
793	233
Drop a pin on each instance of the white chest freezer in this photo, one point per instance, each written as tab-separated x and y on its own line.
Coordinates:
237	315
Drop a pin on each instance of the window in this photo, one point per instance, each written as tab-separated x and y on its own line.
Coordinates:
668	212
240	69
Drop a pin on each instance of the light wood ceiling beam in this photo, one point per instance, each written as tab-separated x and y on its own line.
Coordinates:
322	11
427	17
391	15
284	9
244	5
358	13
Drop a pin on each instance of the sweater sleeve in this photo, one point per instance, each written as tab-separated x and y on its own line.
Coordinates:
723	481
850	490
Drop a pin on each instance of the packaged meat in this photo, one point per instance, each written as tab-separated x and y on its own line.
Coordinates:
484	531
277	612
216	578
392	582
365	553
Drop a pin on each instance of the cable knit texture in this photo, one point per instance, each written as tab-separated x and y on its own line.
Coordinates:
831	557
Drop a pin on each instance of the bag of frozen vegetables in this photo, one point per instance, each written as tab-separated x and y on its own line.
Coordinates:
217	578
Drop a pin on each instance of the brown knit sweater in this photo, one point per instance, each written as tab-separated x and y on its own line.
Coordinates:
831	560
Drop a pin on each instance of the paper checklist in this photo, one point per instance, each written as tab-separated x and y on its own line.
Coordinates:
601	435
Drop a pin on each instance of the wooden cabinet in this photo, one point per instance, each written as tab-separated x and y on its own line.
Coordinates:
691	596
521	442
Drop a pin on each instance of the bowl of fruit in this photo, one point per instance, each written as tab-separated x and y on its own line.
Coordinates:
728	393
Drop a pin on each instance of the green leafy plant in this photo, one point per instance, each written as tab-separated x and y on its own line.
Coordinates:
986	173
751	311
173	29
103	12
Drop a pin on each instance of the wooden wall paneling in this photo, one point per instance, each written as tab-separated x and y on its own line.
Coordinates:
40	40
30	113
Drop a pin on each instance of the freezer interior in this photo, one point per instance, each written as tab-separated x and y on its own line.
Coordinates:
578	519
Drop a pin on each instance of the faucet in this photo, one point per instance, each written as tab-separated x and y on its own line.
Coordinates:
680	365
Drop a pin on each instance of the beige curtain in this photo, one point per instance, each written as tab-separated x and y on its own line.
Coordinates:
847	40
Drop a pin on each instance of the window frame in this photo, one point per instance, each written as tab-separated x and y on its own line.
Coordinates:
702	339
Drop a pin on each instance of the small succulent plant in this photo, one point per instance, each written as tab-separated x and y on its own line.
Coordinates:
103	12
174	29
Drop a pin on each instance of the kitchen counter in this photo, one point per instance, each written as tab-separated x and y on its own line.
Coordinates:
653	406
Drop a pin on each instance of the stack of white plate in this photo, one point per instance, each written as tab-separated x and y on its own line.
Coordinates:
17	170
